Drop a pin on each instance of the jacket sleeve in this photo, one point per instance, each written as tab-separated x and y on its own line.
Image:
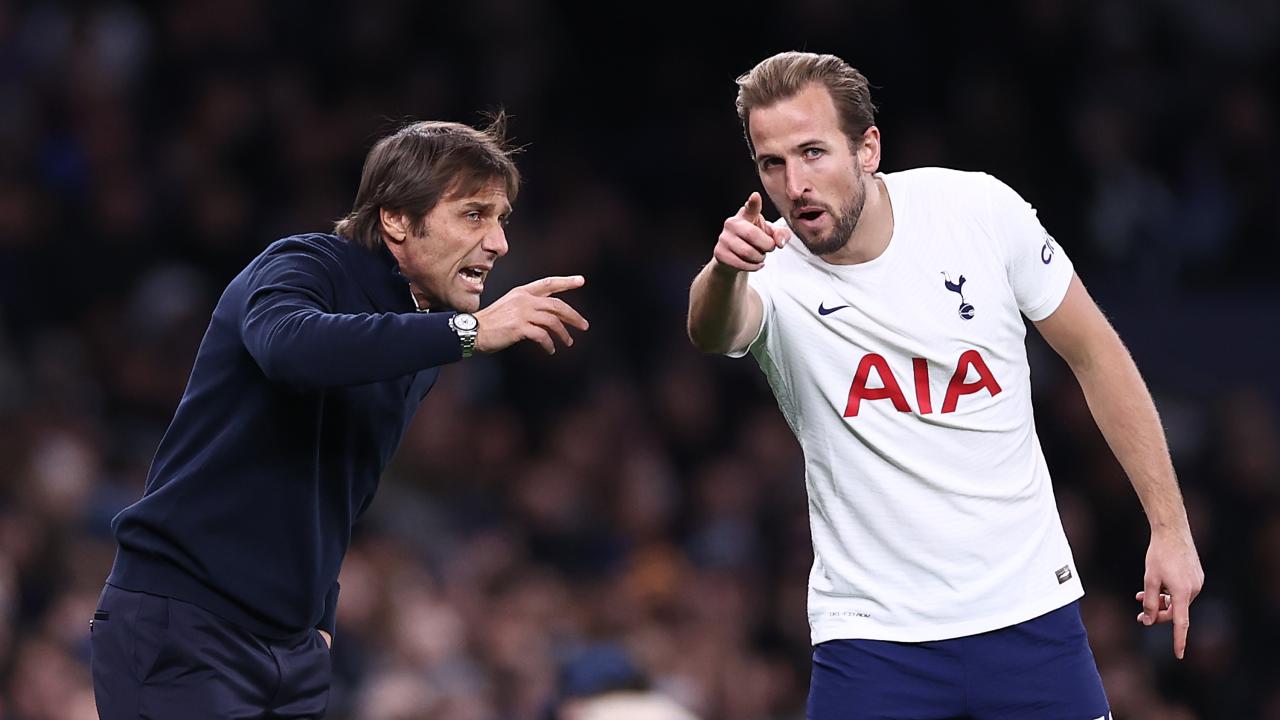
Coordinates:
289	328
329	621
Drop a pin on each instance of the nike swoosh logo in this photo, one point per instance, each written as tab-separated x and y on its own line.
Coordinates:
827	311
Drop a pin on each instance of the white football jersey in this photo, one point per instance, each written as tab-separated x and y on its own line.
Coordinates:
905	379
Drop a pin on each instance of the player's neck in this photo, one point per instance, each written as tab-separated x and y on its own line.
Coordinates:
874	230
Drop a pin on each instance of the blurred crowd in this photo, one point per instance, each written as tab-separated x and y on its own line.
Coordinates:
627	515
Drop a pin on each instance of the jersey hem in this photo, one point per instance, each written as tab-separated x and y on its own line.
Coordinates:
837	630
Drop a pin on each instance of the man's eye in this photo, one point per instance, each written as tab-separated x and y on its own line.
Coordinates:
813	153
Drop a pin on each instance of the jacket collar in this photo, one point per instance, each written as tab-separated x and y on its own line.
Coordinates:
379	277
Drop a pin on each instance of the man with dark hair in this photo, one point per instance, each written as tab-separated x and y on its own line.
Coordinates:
892	335
221	601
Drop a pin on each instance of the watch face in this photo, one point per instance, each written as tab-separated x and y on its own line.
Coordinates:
464	321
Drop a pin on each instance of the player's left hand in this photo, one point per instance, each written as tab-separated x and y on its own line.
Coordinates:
328	639
1173	579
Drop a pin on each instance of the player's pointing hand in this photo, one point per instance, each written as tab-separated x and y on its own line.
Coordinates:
747	237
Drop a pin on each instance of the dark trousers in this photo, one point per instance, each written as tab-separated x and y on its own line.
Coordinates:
157	657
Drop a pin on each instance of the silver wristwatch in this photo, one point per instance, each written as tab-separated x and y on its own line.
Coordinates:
466	327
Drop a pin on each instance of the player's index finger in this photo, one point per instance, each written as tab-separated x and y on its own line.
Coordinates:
753	207
1181	623
554	284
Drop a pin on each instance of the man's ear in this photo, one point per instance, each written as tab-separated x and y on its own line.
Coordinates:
869	150
395	225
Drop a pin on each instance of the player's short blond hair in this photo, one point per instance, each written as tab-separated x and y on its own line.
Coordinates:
784	75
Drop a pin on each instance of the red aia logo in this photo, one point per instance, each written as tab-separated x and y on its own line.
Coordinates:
920	367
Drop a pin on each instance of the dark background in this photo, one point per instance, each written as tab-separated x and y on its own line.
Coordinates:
626	491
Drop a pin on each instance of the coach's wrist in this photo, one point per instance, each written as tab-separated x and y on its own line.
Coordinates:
467	327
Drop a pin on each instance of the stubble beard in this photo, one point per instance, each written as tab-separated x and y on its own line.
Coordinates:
846	221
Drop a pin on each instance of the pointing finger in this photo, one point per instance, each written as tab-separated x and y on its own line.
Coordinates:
555	284
1181	624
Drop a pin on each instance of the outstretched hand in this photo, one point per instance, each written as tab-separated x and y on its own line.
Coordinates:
746	238
529	312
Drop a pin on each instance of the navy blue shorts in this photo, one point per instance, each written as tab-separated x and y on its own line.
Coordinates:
157	657
1042	668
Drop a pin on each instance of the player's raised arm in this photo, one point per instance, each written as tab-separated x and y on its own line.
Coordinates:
724	312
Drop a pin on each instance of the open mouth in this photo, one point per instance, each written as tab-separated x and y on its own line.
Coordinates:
809	215
473	276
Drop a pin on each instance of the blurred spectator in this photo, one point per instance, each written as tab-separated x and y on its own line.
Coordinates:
601	683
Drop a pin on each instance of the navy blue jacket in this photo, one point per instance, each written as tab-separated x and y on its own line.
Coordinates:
310	371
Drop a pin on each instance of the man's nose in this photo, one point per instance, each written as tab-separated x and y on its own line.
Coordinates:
495	241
